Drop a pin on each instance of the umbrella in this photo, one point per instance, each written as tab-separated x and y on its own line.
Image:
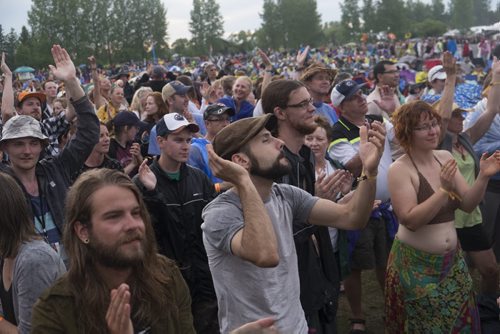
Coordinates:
24	69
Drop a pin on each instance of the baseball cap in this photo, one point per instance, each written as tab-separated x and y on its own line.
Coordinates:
230	139
22	126
217	109
170	123
124	118
174	87
436	73
25	95
344	90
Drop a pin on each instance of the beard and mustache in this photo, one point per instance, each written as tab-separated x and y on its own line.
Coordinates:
113	255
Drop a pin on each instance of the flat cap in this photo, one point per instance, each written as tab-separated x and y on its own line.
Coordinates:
233	137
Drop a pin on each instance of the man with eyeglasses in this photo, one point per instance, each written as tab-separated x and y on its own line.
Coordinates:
292	105
370	246
318	79
386	76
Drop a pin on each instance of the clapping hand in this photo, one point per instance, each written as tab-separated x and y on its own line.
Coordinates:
387	102
329	186
118	313
371	147
447	175
490	165
146	176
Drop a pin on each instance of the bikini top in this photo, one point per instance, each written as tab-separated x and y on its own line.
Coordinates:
447	212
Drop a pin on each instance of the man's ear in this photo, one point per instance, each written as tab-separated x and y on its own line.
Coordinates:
279	113
241	159
82	231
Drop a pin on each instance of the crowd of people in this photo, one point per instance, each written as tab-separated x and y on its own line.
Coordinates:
243	195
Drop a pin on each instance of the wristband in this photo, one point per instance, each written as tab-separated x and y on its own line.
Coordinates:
366	177
217	187
495	83
451	194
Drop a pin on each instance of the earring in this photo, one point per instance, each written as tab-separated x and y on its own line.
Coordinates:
86	241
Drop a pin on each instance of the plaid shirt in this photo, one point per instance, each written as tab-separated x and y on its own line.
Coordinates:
53	127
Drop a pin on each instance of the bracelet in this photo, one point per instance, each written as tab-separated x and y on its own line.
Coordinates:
298	69
495	83
366	177
451	194
217	187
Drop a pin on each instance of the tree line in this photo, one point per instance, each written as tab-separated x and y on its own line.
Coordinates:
118	31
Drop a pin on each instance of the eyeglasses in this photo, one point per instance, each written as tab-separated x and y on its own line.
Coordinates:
223	119
391	72
302	105
426	127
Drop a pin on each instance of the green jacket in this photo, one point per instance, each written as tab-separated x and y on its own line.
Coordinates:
55	311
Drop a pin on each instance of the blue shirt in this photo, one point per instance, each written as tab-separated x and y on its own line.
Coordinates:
246	108
198	157
323	109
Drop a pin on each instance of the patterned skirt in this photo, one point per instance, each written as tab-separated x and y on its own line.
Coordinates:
428	293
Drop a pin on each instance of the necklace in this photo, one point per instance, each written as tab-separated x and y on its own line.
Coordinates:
460	149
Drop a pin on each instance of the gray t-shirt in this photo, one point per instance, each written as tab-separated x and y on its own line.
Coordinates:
246	292
36	268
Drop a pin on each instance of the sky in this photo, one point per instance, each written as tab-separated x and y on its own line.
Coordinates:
238	15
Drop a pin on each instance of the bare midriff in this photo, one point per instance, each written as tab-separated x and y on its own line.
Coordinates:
435	239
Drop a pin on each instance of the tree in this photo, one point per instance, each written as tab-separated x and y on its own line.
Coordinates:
481	12
350	16
301	22
206	25
438	10
270	33
367	14
391	17
462	13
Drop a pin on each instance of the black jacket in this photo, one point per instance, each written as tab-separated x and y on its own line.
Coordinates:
319	276
175	208
55	174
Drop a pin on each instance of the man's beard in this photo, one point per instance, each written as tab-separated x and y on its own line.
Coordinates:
305	129
274	172
110	255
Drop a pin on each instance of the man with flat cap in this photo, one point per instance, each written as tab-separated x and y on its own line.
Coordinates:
175	194
248	230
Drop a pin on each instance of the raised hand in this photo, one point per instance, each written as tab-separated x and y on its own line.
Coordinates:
118	313
146	176
225	169
387	102
64	68
93	63
371	147
490	165
302	56
5	68
447	176
449	64
265	59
